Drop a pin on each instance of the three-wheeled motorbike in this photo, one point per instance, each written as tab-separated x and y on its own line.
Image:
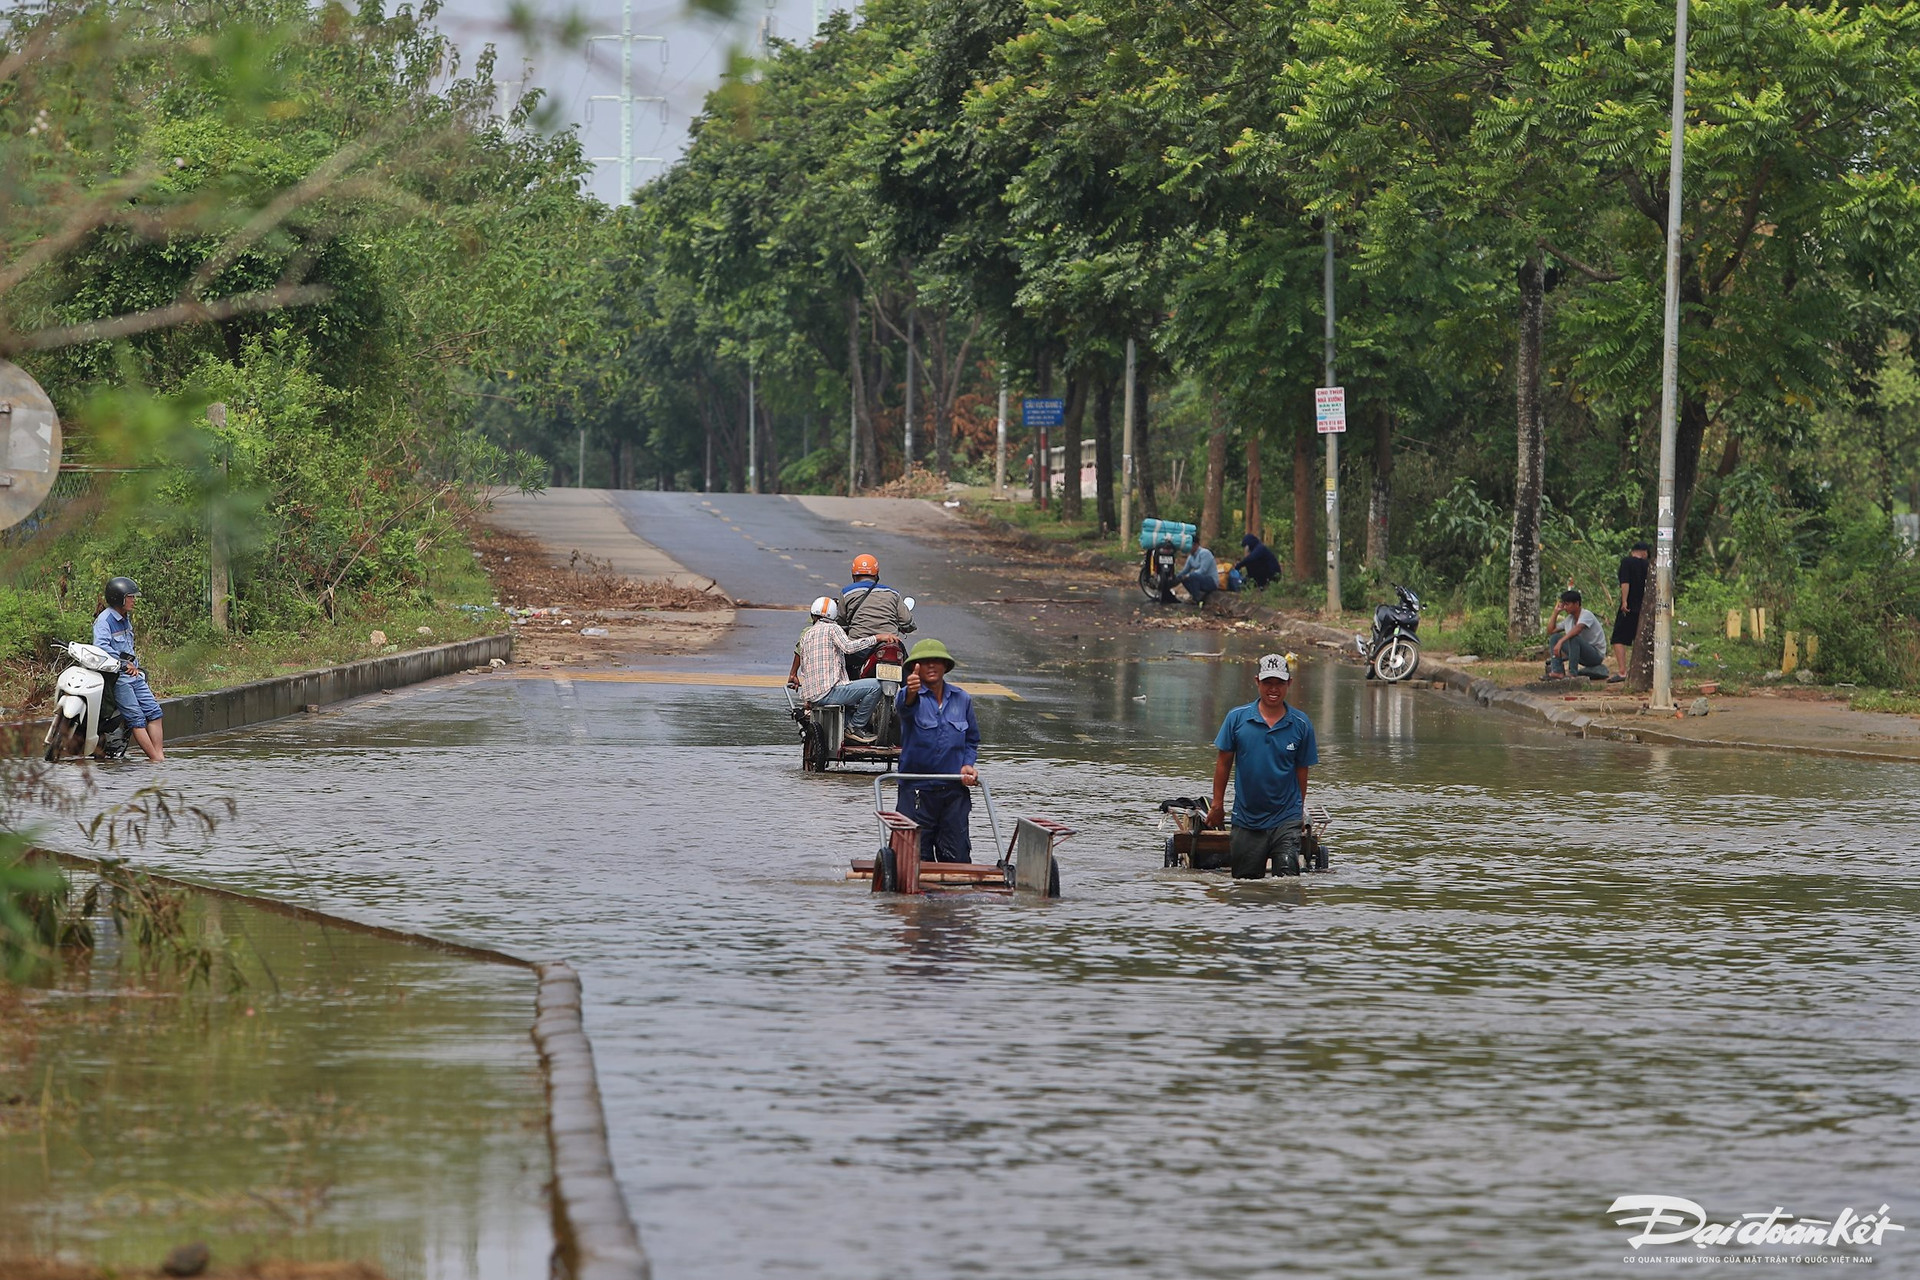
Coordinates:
824	739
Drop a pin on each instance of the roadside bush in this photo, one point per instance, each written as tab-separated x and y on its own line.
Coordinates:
1484	632
32	621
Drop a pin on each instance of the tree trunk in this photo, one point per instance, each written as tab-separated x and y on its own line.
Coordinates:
1303	524
1253	487
1072	416
1523	549
1216	481
863	466
1103	453
1142	454
1380	500
1044	378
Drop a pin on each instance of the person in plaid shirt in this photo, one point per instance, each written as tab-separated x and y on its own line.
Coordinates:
819	669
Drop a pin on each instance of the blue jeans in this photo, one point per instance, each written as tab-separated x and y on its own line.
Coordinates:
1200	585
862	696
136	701
942	810
1587	659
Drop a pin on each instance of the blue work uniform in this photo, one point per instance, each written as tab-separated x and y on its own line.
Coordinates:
938	737
1265	791
113	631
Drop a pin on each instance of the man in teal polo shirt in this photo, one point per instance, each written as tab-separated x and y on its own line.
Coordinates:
1272	745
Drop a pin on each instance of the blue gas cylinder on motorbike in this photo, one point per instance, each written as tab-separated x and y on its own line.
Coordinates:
1155	532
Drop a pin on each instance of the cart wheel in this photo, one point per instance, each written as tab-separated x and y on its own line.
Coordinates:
1319	856
1309	849
1053	881
1290	865
813	748
884	877
1172	858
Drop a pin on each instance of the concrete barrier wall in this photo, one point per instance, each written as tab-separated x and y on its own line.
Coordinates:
264	700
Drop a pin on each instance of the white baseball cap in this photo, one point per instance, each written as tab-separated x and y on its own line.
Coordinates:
1274	667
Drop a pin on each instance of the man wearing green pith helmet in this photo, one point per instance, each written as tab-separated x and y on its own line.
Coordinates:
938	734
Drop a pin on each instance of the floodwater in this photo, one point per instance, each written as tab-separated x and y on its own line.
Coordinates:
1543	973
358	1099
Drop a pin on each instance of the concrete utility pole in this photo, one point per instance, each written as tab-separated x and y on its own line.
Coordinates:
1000	440
853	436
1662	699
908	464
217	532
753	439
1333	451
1126	450
626	98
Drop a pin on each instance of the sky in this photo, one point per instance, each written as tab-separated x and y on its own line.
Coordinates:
681	69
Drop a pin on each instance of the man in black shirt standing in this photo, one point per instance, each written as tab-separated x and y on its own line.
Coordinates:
1626	623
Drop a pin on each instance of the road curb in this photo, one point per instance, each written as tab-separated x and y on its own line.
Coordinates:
260	701
596	1236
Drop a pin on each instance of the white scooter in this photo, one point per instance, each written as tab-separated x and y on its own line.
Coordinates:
86	718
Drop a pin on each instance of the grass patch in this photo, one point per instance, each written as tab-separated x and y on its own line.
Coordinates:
210	661
1893	701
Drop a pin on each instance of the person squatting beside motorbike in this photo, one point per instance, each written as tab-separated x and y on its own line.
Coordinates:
1200	575
819	669
938	734
113	631
869	607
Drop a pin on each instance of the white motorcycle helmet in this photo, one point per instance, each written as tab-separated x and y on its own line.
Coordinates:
825	607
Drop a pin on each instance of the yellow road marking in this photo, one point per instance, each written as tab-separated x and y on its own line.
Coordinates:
722	679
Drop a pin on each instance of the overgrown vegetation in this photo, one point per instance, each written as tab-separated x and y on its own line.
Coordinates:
318	220
978	196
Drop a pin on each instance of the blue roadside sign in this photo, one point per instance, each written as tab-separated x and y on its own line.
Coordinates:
1043	413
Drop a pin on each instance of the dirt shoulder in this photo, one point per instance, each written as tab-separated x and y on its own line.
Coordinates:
1781	717
570	608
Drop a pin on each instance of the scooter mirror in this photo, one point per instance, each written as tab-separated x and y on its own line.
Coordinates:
909	603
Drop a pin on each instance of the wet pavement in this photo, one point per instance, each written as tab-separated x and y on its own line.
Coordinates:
1543	973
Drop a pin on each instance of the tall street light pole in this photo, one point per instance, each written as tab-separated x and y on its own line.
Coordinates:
1126	450
1662	699
1333	451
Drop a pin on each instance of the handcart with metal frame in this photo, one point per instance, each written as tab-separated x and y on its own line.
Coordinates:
1026	865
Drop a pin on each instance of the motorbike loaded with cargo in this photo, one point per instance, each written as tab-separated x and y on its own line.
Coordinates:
1164	546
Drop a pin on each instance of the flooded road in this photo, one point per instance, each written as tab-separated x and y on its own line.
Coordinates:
1543	972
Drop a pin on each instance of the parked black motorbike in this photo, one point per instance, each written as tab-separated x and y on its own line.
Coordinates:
1159	571
1393	652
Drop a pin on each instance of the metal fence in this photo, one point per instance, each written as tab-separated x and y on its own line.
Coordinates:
72	483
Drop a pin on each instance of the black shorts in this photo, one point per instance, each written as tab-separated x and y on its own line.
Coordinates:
1625	627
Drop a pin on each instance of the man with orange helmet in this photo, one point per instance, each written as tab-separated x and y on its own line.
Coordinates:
869	607
819	669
